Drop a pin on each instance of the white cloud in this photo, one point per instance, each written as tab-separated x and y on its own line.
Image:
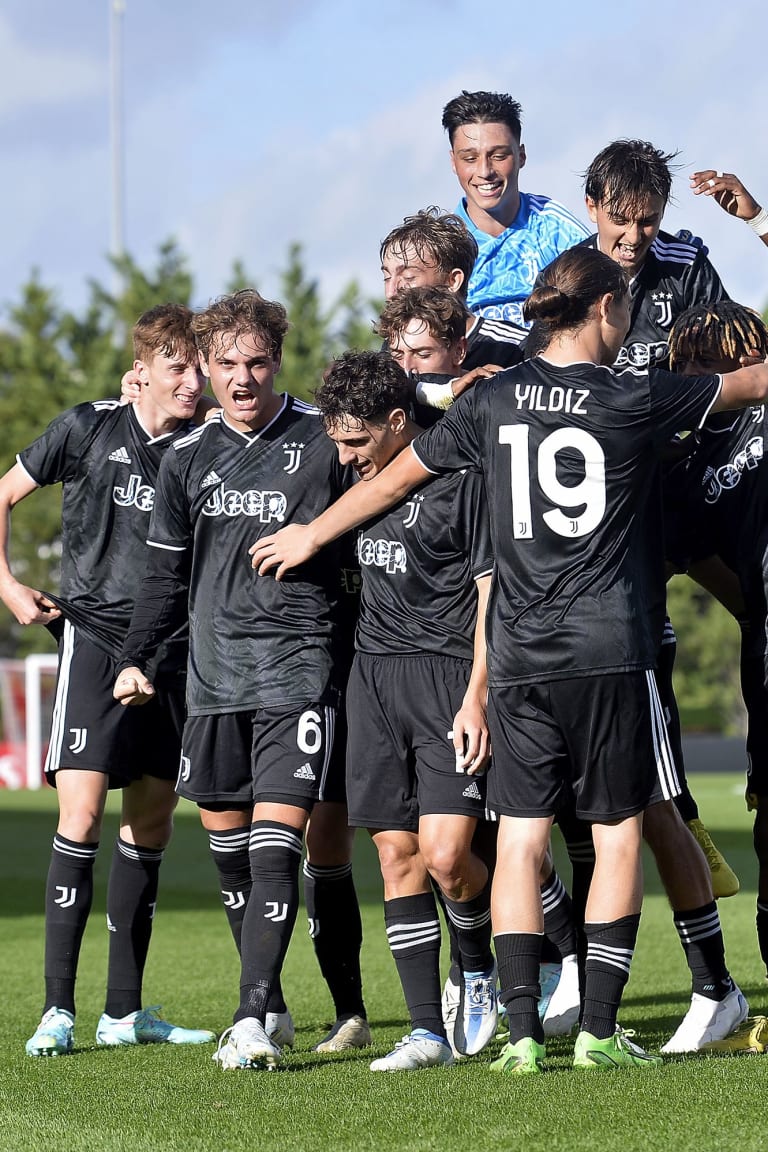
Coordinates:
35	77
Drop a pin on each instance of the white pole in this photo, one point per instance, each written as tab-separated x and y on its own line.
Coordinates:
117	11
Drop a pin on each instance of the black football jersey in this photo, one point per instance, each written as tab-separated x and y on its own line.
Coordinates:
108	465
675	275
716	499
254	642
419	563
568	455
493	342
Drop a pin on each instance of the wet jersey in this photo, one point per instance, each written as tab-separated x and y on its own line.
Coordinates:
108	465
675	275
567	453
254	642
419	563
507	265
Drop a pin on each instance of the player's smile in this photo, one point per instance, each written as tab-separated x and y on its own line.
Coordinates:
487	160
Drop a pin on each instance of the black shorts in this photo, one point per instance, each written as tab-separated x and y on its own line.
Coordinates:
755	697
285	756
401	763
600	740
91	730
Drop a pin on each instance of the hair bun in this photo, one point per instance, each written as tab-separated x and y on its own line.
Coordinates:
547	303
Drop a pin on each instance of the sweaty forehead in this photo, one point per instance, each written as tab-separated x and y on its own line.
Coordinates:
247	343
482	135
401	256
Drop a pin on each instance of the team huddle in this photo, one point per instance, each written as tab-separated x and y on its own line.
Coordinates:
431	605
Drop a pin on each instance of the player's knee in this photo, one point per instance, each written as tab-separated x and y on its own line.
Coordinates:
398	860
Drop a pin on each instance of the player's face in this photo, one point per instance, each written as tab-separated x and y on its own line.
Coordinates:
368	447
706	366
487	161
242	373
416	350
627	238
172	385
402	268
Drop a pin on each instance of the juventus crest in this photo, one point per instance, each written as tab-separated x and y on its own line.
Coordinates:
663	301
412	514
293	452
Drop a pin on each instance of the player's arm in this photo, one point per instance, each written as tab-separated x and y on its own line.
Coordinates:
743	387
28	605
297	543
733	198
721	582
470	724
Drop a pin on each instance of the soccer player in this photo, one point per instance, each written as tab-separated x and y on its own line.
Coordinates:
571	641
517	233
436	250
107	457
416	707
733	198
719	494
262	685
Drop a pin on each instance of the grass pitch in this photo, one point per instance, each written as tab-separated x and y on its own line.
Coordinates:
165	1098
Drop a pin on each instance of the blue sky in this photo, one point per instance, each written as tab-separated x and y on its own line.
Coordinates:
250	124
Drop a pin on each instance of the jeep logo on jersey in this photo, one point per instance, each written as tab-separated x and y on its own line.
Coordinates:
293	452
265	506
414	507
728	475
642	355
663	301
351	581
136	493
387	554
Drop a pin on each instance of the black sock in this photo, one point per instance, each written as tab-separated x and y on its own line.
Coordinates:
559	928
518	955
270	914
68	897
761	921
609	955
702	939
413	934
472	921
337	934
131	900
229	850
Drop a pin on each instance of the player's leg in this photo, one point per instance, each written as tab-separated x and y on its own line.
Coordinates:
725	882
717	1005
413	934
334	919
756	700
83	733
228	835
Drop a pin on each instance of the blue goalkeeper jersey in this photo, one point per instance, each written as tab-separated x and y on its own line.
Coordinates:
507	265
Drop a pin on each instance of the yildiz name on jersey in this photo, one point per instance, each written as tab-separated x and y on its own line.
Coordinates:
387	554
264	506
136	493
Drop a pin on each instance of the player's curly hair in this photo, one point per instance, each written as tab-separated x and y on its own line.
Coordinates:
361	387
482	108
443	313
239	314
625	173
716	332
439	239
567	290
165	329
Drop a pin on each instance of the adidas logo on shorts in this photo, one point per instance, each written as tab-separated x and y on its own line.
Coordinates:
304	773
211	478
120	456
472	791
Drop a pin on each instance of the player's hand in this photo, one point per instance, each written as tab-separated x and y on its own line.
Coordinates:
728	191
289	548
29	605
470	737
469	379
132	687
130	387
751	356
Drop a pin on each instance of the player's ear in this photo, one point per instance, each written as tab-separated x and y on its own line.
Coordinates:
455	279
397	420
523	156
461	349
453	161
142	371
203	364
591	208
277	361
